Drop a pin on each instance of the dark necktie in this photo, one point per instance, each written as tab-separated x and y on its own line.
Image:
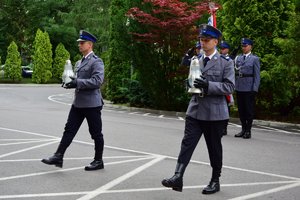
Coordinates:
206	59
82	59
244	58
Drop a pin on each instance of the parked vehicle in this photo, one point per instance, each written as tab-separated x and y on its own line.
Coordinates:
26	72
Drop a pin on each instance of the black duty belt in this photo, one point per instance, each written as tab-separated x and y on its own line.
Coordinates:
241	75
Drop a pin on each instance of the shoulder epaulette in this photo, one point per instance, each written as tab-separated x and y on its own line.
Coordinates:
225	57
94	56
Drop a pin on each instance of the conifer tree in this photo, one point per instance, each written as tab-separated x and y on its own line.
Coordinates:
61	55
42	58
12	67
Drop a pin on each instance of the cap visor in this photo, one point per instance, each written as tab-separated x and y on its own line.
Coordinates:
81	40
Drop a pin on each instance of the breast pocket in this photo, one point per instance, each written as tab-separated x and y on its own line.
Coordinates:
84	72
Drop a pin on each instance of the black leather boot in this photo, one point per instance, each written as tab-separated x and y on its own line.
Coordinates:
241	134
56	159
175	182
95	165
247	135
212	187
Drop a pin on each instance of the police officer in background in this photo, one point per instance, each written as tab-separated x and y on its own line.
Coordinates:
208	114
224	51
247	84
194	51
87	103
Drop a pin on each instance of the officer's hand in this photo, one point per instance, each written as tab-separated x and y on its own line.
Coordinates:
71	84
201	82
191	52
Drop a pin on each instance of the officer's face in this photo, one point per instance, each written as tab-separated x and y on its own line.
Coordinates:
208	44
224	51
85	47
246	48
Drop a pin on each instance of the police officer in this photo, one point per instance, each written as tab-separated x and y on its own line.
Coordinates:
194	51
224	51
87	103
208	114
247	84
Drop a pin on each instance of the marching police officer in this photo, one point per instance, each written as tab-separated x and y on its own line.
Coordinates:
87	103
208	114
247	84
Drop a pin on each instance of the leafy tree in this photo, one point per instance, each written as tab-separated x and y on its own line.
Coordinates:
12	67
42	58
287	72
264	22
93	18
61	55
118	65
166	30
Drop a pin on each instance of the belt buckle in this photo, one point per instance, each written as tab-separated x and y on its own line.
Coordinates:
240	75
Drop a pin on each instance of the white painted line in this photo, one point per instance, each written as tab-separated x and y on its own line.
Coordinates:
135	190
41	195
244	170
146	114
69	169
170	157
180	118
24	140
28	142
262	193
27	132
275	129
146	153
161	116
77	158
120	179
236	125
27	149
134	113
52	98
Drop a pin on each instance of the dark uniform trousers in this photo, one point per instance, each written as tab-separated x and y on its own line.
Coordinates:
213	132
246	103
75	119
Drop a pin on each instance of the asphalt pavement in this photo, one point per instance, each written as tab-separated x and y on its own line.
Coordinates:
141	147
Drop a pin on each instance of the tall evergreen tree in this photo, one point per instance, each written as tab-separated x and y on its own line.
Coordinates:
264	22
42	58
61	55
118	66
12	67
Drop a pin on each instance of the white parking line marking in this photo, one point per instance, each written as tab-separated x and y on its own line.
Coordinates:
27	149
180	118
27	132
77	158
120	179
15	143
105	188
69	169
136	190
258	194
52	98
278	130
